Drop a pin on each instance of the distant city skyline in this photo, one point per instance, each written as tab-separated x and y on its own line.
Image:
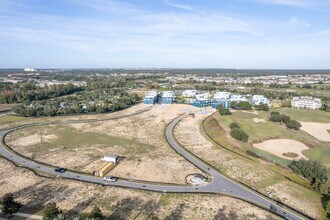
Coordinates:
238	34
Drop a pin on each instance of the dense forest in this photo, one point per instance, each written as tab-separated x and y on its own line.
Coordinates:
29	91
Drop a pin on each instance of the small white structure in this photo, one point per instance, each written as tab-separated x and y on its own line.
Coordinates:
221	95
306	102
189	93
260	99
29	69
204	96
110	159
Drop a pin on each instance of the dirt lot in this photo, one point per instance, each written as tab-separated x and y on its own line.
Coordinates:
190	134
280	146
318	130
138	140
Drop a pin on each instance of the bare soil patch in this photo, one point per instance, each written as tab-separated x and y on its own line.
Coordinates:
318	130
79	197
279	147
257	120
138	139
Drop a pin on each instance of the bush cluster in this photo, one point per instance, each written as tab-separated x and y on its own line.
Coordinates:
262	107
239	134
223	111
317	175
290	123
241	105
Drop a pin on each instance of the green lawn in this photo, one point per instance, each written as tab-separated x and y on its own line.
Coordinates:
306	115
262	131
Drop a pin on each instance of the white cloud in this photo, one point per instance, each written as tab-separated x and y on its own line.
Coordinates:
297	3
179	6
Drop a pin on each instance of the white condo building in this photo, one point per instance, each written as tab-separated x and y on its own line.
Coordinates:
306	102
238	98
203	96
189	93
260	99
221	95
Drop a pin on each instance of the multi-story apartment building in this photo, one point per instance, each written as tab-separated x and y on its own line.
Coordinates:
306	102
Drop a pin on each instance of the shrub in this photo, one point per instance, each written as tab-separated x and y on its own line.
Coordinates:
9	205
51	211
293	124
233	125
239	134
223	111
262	107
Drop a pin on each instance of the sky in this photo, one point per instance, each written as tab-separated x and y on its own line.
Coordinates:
240	34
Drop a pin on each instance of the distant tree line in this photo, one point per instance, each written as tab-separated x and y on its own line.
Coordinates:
290	123
29	91
83	102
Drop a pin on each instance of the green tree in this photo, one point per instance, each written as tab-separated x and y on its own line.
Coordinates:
233	125
9	205
96	214
223	111
262	107
51	211
239	134
327	208
314	171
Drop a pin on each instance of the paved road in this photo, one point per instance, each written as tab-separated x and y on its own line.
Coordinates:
220	184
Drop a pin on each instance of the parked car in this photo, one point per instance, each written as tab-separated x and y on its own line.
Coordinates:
110	178
60	170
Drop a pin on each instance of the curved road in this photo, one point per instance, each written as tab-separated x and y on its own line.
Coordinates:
220	184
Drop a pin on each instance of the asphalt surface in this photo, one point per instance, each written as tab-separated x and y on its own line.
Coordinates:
219	184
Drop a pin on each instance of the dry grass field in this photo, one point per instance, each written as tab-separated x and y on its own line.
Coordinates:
139	141
146	155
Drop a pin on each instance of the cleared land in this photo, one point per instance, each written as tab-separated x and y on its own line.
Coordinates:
119	203
318	130
252	172
281	147
139	141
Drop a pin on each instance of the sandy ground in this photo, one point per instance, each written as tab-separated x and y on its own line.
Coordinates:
257	120
78	197
318	130
154	160
280	146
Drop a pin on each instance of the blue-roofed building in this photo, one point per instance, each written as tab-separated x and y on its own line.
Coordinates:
221	98
168	97
151	98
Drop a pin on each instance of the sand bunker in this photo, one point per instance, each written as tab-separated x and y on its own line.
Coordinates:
318	130
281	147
257	120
